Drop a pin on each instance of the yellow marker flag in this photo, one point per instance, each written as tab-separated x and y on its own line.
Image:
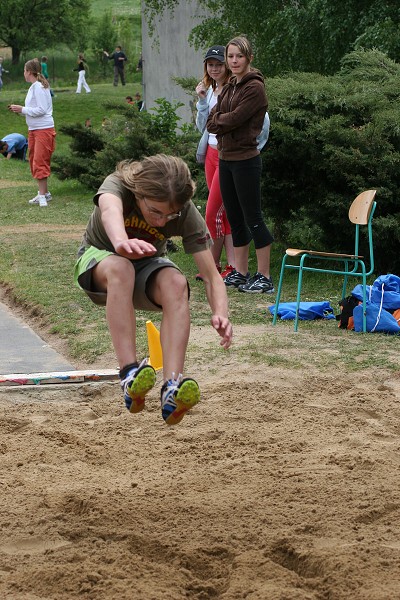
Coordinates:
155	351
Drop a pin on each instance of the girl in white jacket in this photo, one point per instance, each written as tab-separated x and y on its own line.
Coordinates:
38	111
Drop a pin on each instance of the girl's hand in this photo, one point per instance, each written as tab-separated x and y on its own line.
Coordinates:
134	248
201	90
224	328
15	108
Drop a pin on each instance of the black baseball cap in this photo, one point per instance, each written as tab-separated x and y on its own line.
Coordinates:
217	52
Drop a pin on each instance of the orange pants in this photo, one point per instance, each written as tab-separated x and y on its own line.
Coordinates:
41	144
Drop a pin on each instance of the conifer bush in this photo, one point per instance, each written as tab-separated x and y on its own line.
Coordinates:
331	138
129	135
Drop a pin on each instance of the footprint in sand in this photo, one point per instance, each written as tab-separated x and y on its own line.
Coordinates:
33	545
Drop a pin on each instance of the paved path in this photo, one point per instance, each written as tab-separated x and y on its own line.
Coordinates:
22	351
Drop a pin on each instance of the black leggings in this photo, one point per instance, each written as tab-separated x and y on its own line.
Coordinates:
240	183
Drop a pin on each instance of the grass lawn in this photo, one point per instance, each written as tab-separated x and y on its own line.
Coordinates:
125	17
123	7
39	250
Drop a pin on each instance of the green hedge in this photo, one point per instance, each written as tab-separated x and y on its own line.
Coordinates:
331	138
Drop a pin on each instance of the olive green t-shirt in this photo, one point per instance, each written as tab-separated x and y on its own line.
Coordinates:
190	226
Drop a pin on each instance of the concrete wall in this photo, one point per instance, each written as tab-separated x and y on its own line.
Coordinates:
168	54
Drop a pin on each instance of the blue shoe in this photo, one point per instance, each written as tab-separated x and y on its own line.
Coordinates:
177	397
139	381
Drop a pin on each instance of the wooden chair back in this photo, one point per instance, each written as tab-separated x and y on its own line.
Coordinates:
360	208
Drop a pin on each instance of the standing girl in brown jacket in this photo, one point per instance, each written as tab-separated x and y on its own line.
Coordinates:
237	121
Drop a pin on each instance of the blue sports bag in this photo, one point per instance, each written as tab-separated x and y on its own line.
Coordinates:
307	310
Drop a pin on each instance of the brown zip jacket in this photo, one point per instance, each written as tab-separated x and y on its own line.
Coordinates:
238	116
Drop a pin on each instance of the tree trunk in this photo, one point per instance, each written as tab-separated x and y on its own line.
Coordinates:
16	53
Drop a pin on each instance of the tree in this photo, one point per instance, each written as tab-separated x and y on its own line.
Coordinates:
104	37
296	35
30	24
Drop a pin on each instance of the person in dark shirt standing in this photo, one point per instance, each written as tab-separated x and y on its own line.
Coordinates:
119	59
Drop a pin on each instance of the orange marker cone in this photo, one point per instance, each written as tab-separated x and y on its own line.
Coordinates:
155	351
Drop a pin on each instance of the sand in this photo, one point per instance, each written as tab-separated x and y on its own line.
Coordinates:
282	484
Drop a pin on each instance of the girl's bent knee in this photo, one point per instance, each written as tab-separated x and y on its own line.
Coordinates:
175	285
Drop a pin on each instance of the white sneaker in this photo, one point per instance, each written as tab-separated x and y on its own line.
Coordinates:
35	200
42	201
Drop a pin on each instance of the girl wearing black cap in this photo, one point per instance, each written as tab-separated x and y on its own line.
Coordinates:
215	76
237	121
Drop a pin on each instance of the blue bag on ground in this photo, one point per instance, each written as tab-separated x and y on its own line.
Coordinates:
379	320
383	296
388	285
307	310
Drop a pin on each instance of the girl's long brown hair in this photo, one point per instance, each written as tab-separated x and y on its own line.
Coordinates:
33	66
243	44
162	178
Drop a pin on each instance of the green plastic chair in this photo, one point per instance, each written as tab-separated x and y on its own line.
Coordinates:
361	213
